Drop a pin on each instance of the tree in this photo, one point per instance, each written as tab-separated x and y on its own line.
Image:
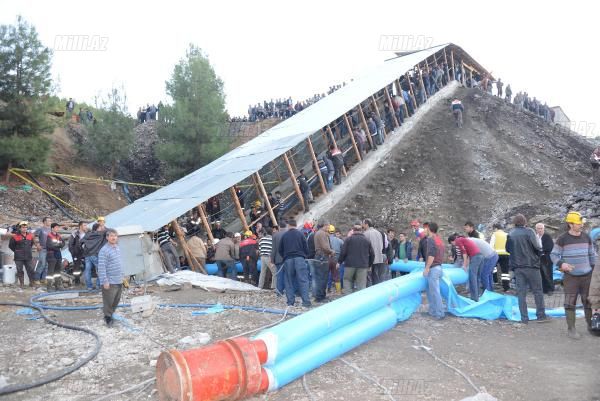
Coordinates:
191	128
111	134
24	81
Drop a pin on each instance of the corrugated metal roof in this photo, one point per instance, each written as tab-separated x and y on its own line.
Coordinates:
166	204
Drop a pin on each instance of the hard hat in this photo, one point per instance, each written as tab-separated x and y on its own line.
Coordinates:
308	224
22	223
247	233
100	218
331	229
574	217
237	235
257	203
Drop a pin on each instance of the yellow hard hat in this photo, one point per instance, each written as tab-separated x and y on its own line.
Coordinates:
257	203
574	217
331	229
22	223
248	233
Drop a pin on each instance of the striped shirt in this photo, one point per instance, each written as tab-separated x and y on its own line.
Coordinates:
265	245
577	251
110	265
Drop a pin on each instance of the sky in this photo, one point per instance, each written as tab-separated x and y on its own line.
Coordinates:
272	49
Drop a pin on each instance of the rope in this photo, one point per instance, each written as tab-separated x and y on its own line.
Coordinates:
369	378
50	174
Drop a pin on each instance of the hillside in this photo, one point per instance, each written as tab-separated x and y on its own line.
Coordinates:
502	161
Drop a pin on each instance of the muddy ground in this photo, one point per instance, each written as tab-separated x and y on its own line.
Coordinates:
511	361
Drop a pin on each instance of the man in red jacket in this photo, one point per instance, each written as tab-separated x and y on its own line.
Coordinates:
21	244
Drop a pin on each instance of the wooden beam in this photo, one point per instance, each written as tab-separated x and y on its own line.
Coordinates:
452	62
267	202
316	163
399	88
365	126
354	145
238	208
379	114
195	264
330	132
274	166
447	71
202	213
391	107
294	182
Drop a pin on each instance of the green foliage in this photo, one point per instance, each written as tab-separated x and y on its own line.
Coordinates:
111	137
191	128
24	82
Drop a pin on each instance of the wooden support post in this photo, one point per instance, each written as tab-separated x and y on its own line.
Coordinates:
296	171
294	182
391	108
330	132
412	93
238	208
195	265
356	150
202	213
378	113
274	166
421	79
264	192
399	88
365	126
447	66
316	163
452	63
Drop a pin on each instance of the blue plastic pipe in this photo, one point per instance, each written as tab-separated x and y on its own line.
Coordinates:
290	336
595	233
211	268
410	265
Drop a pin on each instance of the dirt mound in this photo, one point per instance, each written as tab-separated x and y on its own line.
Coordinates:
502	160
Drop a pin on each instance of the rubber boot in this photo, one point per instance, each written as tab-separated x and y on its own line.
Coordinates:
588	318
338	288
571	331
49	285
58	284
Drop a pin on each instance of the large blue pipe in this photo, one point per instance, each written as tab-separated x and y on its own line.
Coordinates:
410	265
288	337
595	233
211	268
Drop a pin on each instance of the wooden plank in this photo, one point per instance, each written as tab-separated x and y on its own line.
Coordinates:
316	163
294	182
378	113
194	263
330	132
238	208
354	145
365	126
389	99
264	192
207	228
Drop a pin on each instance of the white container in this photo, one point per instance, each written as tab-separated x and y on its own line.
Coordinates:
9	274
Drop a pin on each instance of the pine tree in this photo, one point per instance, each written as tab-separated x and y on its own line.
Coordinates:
24	81
191	128
111	134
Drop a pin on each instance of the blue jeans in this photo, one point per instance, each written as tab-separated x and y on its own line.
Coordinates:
312	275
329	181
487	281
434	297
89	262
42	266
296	272
475	266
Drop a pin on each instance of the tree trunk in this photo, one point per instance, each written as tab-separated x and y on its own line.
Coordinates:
7	179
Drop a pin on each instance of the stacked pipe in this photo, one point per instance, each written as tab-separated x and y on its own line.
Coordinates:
240	368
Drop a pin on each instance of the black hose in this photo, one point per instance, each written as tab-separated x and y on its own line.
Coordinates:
13	388
58	205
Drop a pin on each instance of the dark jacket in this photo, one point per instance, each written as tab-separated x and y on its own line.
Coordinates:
293	245
249	248
21	245
75	245
93	242
523	247
357	251
275	256
54	245
547	244
407	248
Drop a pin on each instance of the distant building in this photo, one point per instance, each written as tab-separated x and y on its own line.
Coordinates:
561	118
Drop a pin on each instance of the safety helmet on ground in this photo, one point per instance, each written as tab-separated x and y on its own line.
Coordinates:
574	218
331	229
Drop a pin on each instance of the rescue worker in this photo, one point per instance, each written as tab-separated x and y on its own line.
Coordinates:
54	246
498	242
76	249
21	244
575	256
457	111
249	258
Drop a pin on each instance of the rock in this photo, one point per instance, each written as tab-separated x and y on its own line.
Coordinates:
153	363
67	361
196	339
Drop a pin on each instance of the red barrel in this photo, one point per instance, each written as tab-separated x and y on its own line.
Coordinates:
226	370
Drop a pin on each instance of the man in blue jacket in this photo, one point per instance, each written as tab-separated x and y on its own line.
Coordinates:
294	250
